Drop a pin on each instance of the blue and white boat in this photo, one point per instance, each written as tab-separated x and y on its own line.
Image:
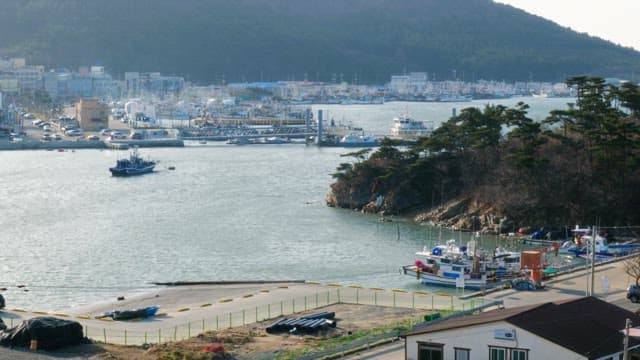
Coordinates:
134	165
584	244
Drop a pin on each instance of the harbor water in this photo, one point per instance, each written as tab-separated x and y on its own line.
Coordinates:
73	235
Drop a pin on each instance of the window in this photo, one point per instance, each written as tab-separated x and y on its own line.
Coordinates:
497	353
461	354
519	354
429	352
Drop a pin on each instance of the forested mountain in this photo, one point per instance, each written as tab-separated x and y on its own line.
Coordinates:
362	41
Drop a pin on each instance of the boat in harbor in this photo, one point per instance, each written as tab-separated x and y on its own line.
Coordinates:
134	165
407	128
451	265
353	140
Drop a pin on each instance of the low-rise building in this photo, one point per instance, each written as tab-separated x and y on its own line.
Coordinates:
583	328
92	115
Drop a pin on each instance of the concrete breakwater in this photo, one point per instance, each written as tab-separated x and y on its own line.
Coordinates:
88	144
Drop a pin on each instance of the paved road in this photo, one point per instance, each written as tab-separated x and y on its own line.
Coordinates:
211	306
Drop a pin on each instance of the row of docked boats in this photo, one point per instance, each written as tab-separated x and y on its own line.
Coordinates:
458	266
469	267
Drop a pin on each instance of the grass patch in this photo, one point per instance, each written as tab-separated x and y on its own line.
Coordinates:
334	342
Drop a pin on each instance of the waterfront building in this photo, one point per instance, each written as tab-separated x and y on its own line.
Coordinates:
92	115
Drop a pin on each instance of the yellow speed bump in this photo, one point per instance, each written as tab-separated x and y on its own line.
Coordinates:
183	309
205	305
83	317
421	293
443	294
334	285
225	300
283	287
40	312
376	289
247	295
399	291
19	310
264	290
61	315
355	286
160	315
312	282
105	319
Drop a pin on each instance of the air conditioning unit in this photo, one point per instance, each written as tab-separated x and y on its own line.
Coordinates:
504	334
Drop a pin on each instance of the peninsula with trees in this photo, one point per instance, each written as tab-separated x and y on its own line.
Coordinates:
496	169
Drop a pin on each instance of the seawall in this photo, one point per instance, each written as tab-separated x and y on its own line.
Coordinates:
86	144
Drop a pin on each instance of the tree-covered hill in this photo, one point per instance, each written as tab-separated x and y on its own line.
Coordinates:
579	165
362	41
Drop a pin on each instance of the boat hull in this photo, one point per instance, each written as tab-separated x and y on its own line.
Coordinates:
427	278
131	171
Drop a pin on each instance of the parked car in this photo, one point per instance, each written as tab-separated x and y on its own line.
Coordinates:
117	135
74	132
56	136
633	293
104	132
46	137
93	137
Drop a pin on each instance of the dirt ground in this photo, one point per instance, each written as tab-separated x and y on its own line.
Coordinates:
253	342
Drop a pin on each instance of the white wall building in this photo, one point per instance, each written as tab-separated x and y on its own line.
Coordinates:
583	328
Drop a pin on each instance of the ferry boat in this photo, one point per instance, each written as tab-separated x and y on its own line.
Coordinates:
134	165
408	128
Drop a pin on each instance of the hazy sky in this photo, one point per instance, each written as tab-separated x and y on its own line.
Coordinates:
613	20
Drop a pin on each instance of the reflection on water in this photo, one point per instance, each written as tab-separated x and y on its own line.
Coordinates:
72	234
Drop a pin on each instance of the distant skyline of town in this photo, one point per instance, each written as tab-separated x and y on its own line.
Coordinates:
17	75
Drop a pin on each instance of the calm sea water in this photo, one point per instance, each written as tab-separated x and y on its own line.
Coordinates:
72	234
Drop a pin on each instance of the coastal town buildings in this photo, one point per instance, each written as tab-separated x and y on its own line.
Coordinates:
582	328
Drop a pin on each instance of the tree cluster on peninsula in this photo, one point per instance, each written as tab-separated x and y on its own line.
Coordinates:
483	167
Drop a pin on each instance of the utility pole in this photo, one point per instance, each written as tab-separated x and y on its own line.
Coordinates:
593	258
625	353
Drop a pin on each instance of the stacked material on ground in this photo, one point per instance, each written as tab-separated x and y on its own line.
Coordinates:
305	324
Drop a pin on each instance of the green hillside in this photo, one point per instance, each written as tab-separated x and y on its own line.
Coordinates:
360	41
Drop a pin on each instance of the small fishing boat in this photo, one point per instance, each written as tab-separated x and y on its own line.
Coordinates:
134	165
141	313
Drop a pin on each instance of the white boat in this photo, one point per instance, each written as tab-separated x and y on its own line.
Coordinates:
463	266
353	140
456	273
408	128
504	261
